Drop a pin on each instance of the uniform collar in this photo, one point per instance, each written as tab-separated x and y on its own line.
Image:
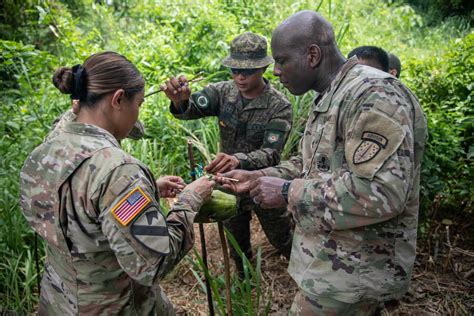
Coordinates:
90	130
259	102
323	100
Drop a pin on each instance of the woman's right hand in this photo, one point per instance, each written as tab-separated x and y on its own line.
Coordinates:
202	186
177	90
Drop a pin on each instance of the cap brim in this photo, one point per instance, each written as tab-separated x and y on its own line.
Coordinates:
247	63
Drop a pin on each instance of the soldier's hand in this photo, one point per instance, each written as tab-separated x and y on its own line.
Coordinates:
244	178
202	186
177	90
222	163
266	192
169	186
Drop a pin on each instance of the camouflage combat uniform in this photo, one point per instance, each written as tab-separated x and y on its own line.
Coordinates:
137	132
108	244
255	131
355	193
256	135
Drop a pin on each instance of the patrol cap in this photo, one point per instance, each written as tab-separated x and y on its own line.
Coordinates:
248	51
137	132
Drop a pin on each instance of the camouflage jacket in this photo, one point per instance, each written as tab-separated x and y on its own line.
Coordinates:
356	188
108	244
60	122
256	133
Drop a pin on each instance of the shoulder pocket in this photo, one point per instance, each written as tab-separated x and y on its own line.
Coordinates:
374	138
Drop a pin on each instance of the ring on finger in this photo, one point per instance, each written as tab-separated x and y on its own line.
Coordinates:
255	200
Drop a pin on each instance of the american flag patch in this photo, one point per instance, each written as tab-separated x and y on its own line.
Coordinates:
130	206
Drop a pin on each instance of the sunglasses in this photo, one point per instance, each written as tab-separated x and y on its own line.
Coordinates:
243	72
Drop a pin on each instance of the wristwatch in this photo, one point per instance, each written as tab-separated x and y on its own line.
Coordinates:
284	190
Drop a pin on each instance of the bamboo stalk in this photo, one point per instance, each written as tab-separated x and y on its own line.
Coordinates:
192	165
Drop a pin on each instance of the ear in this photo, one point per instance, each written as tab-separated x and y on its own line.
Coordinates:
393	72
314	55
117	99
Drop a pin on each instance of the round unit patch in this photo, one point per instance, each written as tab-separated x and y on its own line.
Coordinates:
202	101
273	138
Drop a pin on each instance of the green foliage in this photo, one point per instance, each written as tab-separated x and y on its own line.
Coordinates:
186	37
444	85
248	297
436	10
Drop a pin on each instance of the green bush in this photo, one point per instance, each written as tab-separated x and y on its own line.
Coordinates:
187	36
444	85
436	10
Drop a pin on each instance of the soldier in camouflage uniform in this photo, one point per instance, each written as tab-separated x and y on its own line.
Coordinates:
97	207
354	187
372	56
254	120
59	124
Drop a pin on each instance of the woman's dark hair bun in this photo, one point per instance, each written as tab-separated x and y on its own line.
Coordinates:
62	80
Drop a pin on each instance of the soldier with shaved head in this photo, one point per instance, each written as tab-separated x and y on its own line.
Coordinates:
353	189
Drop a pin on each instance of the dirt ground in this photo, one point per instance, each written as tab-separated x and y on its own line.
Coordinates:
442	282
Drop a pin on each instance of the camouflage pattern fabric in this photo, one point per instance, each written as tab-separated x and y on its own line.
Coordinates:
248	51
256	134
137	132
304	305
355	193
108	243
276	224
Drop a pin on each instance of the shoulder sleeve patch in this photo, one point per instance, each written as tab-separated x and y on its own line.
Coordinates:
130	206
208	97
273	137
201	100
374	138
150	229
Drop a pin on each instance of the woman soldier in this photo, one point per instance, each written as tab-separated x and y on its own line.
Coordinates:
108	243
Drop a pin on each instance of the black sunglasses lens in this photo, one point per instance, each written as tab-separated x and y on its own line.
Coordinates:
244	72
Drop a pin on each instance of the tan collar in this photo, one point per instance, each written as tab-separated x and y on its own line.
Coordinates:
90	130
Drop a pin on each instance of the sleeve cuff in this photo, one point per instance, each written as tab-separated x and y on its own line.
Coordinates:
188	200
295	193
176	112
243	161
270	172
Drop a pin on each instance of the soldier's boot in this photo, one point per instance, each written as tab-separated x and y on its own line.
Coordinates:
305	304
163	305
278	227
239	227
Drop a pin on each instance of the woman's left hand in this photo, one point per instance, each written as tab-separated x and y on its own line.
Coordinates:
169	186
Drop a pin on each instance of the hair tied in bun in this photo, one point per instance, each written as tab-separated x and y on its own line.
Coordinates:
79	83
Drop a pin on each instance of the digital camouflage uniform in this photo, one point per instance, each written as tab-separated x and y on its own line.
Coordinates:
255	133
108	244
355	193
137	132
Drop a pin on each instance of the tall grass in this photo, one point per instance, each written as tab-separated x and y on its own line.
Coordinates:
162	39
248	297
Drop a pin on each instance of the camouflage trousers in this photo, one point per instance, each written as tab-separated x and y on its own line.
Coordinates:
306	305
276	223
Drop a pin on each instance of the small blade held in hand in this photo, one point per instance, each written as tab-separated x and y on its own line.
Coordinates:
196	78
